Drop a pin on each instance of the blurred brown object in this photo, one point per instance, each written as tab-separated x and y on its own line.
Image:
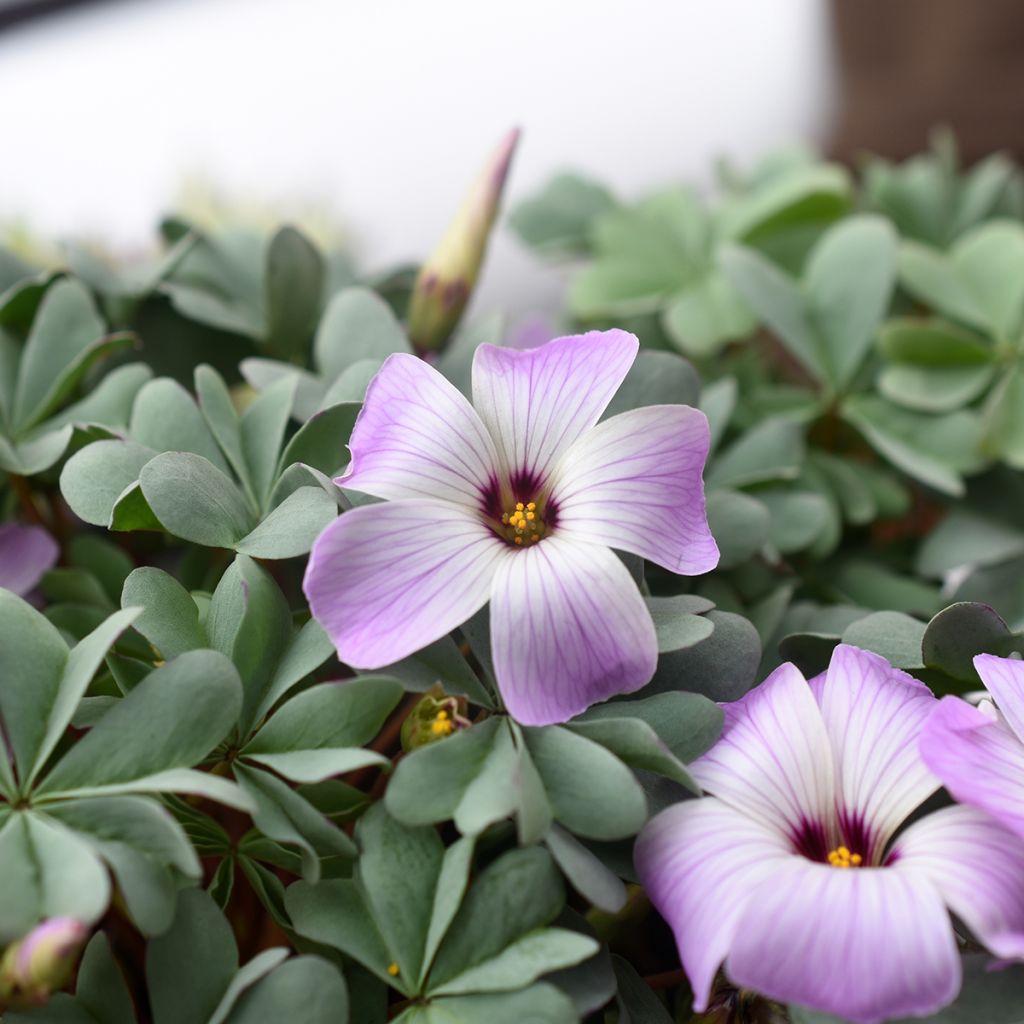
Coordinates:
906	65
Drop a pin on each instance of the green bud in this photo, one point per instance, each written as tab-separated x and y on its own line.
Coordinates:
432	719
41	962
445	282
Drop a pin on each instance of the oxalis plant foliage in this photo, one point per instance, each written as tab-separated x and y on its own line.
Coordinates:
361	662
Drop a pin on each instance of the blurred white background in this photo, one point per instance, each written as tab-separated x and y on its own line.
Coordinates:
381	110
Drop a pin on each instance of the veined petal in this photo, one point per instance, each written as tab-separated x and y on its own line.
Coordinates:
699	862
978	868
26	552
979	759
417	437
386	580
867	944
568	629
773	761
635	483
874	715
538	401
1004	679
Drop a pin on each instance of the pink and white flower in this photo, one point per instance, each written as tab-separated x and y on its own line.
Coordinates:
978	753
519	502
797	872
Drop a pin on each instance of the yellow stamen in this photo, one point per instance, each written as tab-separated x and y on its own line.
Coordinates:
841	857
524	524
393	969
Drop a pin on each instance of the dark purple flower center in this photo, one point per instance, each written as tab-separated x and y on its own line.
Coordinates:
811	840
519	510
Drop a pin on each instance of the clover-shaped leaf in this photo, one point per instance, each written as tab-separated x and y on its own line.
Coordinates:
412	918
312	737
357	333
828	320
211	476
931	200
977	283
579	775
70	809
64	339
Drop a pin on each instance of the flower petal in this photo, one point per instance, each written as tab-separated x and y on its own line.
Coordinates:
1004	679
26	552
418	437
538	401
978	868
699	862
866	944
387	579
635	483
874	715
773	762
568	629
978	758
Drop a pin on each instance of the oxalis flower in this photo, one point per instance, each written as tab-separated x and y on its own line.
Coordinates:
978	753
517	502
795	872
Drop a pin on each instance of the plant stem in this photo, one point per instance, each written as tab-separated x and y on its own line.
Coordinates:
667	979
28	505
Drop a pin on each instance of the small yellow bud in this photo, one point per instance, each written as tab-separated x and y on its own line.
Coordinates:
393	969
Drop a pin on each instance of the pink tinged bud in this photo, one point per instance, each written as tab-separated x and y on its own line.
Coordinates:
445	282
43	960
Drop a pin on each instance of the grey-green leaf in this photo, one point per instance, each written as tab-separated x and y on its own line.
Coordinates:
172	719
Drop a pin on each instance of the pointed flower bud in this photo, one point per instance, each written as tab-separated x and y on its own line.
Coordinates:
42	961
432	719
445	282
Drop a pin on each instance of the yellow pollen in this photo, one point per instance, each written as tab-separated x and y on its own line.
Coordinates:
841	857
393	969
523	524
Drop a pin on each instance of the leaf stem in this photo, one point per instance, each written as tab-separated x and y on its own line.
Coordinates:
28	505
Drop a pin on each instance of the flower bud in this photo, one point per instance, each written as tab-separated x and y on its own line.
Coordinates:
445	282
41	962
432	719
